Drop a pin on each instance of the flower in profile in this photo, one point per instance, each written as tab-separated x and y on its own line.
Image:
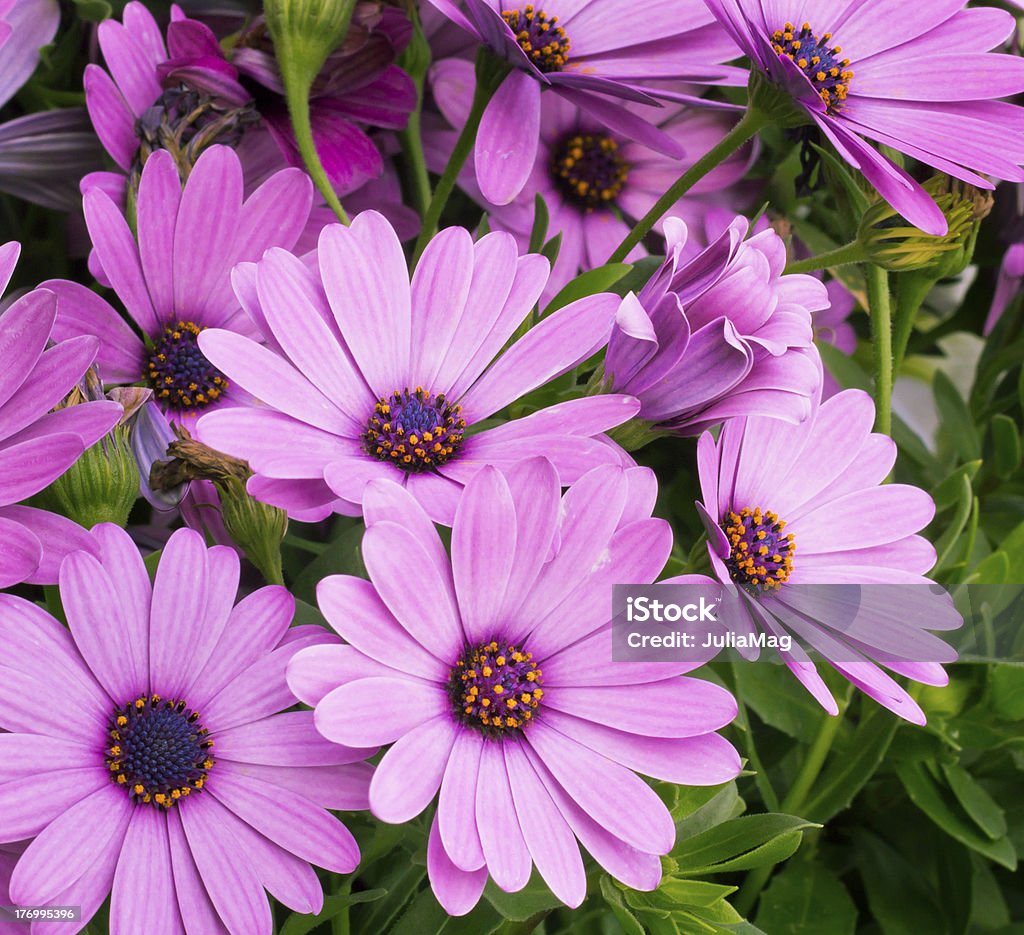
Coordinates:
175	281
568	48
172	768
186	94
721	335
506	700
366	375
594	181
1011	275
43	156
807	535
835	66
25	27
37	444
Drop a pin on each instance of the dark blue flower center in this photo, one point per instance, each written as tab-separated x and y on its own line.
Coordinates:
495	688
181	377
540	37
158	751
829	74
415	431
588	171
761	555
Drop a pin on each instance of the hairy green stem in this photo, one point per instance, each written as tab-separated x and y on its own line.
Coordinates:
489	75
748	127
880	308
298	110
841	256
416	61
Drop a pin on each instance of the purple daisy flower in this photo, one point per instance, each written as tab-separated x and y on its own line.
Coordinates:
595	54
506	699
787	506
168	778
724	334
186	93
25	27
845	65
594	181
370	376
37	444
176	280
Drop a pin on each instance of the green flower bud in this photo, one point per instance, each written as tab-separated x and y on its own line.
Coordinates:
256	528
890	242
103	485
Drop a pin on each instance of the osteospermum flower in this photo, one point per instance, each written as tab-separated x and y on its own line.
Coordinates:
371	376
924	84
168	776
505	699
569	48
187	93
721	335
594	181
791	509
175	281
37	445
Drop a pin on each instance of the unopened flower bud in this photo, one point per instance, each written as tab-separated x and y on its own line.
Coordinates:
890	242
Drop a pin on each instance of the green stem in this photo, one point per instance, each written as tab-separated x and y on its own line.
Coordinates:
911	292
490	73
841	256
411	140
298	110
794	800
752	121
880	308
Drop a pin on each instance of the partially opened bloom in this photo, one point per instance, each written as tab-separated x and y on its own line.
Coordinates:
504	700
167	776
801	525
594	181
919	79
37	445
721	335
25	27
187	93
1011	276
175	280
595	54
370	376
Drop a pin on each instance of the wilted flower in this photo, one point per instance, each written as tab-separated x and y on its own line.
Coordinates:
792	508
171	777
349	396
722	335
504	699
846	73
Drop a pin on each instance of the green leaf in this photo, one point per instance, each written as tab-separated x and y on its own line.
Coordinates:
741	844
340	557
1010	567
950	491
1006	439
541	219
1006	684
300	924
93	11
723	805
956	420
675	892
806	899
946	543
781	703
552	248
845	369
588	283
928	796
533	898
974	800
613	897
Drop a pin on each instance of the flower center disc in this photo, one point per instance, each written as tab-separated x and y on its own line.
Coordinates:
495	688
179	374
159	752
827	72
761	555
588	170
544	42
415	431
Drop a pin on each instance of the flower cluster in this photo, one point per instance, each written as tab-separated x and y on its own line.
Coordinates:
336	411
